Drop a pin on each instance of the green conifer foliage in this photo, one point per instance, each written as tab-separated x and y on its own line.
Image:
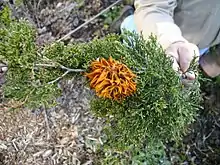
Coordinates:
161	108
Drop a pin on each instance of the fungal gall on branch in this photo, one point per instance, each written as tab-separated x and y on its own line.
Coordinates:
111	79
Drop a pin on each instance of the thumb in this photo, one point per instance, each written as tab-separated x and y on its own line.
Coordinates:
186	54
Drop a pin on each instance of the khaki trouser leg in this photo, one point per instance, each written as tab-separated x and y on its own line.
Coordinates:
210	63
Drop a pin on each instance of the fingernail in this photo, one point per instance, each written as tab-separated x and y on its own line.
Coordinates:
190	75
4	69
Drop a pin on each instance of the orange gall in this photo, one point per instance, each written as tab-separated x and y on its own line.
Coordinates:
111	79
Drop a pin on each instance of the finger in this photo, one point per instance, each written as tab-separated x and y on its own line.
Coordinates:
190	75
195	50
188	78
173	52
186	54
187	83
185	58
173	55
175	65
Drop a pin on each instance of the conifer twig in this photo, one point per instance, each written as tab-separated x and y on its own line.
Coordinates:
71	70
61	66
45	65
59	78
68	70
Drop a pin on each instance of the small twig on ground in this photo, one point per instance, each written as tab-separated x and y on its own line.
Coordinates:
210	148
26	145
206	137
198	149
217	124
12	7
32	8
87	22
16	148
47	122
38	4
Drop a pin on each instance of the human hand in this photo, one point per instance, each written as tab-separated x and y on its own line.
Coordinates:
182	54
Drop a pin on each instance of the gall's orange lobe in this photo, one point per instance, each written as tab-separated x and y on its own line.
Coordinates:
111	79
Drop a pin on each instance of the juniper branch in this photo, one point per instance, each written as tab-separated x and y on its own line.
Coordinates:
68	70
61	66
59	78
